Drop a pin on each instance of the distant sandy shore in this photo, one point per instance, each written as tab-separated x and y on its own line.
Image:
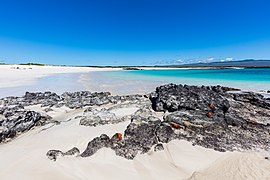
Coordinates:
17	75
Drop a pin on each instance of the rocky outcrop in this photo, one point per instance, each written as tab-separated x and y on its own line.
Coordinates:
94	117
53	154
210	116
84	98
97	117
44	99
16	120
177	97
70	99
207	116
131	68
96	144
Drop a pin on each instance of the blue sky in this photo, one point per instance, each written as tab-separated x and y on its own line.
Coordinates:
133	32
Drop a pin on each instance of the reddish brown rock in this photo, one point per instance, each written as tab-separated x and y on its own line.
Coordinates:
175	125
210	114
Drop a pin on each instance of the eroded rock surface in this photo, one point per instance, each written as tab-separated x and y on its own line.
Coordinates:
16	120
208	116
70	99
95	117
53	154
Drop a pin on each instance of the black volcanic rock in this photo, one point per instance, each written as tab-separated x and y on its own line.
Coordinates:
177	97
96	144
53	154
14	121
158	147
208	116
131	68
84	98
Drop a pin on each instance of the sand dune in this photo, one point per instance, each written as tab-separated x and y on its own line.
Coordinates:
249	165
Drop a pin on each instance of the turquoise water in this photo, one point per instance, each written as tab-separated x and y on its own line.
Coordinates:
245	78
261	74
145	81
58	83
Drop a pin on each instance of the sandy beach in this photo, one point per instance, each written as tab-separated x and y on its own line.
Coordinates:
25	156
18	75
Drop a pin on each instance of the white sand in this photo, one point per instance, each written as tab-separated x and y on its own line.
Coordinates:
25	157
17	75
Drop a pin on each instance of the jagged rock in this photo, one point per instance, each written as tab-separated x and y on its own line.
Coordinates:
165	133
208	116
72	152
131	68
53	154
139	136
96	144
16	120
142	134
221	89
117	137
96	117
205	116
45	99
177	97
84	98
159	147
252	98
144	112
69	99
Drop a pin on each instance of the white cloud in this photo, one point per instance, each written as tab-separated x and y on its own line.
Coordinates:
210	59
179	61
229	59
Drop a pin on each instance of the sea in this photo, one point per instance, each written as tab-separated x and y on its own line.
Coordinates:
145	81
255	79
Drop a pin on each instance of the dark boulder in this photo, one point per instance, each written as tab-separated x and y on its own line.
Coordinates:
178	97
159	147
96	144
16	121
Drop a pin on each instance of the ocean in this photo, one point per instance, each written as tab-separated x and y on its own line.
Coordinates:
257	79
145	81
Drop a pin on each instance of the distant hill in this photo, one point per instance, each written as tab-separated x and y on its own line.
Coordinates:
240	63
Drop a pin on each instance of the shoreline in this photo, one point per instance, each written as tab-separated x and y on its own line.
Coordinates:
17	75
48	78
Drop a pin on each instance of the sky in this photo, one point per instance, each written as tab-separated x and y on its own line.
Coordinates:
133	32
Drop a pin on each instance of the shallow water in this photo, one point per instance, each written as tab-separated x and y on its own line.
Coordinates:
256	79
58	83
145	81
